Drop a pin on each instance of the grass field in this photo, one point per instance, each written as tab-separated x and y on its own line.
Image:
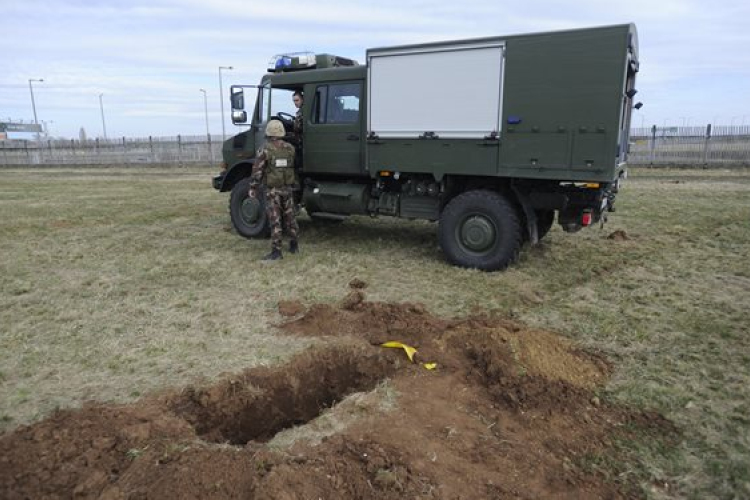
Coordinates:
119	282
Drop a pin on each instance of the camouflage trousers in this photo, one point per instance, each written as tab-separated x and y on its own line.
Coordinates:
280	204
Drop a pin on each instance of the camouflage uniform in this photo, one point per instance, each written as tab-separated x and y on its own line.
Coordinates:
298	127
297	140
274	167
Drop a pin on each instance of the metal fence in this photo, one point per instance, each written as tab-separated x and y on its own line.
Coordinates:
180	150
709	146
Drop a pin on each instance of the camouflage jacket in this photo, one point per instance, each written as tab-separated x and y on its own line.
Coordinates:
298	126
274	165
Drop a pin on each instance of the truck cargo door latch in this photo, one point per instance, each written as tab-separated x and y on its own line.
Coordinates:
429	135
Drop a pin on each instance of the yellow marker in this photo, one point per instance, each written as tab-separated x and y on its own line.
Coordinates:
409	350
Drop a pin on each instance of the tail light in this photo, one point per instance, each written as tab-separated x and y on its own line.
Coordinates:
586	219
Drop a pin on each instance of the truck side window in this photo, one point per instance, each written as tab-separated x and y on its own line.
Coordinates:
337	103
343	103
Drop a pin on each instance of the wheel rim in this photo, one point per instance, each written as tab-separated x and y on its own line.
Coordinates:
250	211
477	234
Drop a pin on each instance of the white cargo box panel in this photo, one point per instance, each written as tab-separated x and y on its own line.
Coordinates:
452	90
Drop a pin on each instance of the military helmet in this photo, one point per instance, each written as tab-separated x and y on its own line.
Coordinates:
275	129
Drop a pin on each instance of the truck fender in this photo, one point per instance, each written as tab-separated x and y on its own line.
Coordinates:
236	173
528	211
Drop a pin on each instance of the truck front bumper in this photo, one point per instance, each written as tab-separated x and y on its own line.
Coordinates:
218	181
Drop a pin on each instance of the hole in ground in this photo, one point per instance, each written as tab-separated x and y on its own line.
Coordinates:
264	401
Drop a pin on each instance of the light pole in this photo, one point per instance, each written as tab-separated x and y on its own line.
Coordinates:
33	104
221	98
101	107
46	127
208	134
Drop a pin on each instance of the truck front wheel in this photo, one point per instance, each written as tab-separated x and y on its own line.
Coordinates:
480	229
248	214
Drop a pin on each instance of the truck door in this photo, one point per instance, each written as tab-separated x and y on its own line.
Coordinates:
333	131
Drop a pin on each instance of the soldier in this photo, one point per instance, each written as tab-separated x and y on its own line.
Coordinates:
274	167
298	99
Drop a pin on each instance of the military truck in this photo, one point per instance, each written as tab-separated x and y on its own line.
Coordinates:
493	138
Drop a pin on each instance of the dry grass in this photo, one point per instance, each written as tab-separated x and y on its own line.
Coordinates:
119	282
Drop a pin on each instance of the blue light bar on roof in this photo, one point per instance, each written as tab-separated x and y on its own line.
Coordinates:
291	62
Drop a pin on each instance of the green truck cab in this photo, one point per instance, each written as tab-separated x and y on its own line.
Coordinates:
493	138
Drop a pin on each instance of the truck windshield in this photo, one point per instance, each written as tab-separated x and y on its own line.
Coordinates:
274	101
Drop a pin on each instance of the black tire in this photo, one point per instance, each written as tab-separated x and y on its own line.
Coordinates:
480	229
248	215
544	221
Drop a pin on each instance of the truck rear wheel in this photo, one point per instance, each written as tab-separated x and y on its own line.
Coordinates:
480	229
248	214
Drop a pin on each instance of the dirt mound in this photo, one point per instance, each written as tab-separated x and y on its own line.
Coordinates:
510	412
375	322
290	308
618	235
357	284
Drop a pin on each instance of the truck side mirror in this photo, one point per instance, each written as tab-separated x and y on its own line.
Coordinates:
239	116
237	98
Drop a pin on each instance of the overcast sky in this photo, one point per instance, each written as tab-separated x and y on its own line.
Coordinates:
150	57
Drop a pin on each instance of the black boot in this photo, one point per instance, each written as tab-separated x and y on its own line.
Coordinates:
274	255
293	246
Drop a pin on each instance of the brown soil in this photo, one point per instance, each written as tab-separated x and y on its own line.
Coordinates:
357	283
290	308
618	235
509	412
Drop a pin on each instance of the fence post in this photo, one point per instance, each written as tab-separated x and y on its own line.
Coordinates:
210	153
179	150
653	145
706	145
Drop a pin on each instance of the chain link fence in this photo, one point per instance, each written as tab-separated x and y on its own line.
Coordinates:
719	146
179	150
709	146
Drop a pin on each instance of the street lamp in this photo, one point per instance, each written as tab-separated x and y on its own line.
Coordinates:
101	107
33	104
208	134
221	98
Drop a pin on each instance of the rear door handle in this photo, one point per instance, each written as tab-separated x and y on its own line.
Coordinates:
352	137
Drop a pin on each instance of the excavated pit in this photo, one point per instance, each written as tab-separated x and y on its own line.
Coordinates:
262	402
508	412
